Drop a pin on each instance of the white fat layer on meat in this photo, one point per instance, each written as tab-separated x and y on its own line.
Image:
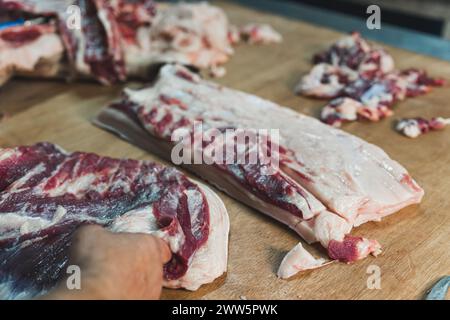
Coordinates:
143	220
350	176
8	153
209	261
387	63
444	121
25	58
366	247
329	226
15	224
76	186
298	259
409	128
16	186
311	84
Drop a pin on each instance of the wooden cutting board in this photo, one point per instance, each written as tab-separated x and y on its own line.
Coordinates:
416	240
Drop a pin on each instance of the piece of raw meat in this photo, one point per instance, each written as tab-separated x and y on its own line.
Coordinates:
415	127
191	34
373	99
362	82
35	49
355	53
327	181
46	193
260	33
96	48
325	81
296	260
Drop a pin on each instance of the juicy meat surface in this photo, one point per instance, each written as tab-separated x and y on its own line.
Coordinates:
327	181
46	193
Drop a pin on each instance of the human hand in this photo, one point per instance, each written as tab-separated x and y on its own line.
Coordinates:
115	265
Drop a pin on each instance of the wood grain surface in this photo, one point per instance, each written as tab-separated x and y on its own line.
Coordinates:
416	240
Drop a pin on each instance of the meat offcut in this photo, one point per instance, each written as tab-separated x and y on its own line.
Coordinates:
361	80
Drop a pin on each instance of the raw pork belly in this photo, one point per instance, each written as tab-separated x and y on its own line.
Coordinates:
327	180
46	193
361	80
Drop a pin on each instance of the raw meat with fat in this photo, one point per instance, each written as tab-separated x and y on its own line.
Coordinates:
96	48
362	82
33	50
327	181
122	39
46	193
415	127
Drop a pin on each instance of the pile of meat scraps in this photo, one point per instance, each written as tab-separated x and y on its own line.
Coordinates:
361	81
114	40
325	183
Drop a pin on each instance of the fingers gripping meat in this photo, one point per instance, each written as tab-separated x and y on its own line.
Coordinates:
46	193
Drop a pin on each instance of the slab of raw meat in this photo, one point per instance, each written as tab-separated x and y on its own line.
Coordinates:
415	127
97	49
327	180
46	193
362	82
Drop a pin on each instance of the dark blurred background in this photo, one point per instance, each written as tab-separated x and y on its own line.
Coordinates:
428	16
421	26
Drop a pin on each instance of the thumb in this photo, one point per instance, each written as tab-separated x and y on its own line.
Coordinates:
166	254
